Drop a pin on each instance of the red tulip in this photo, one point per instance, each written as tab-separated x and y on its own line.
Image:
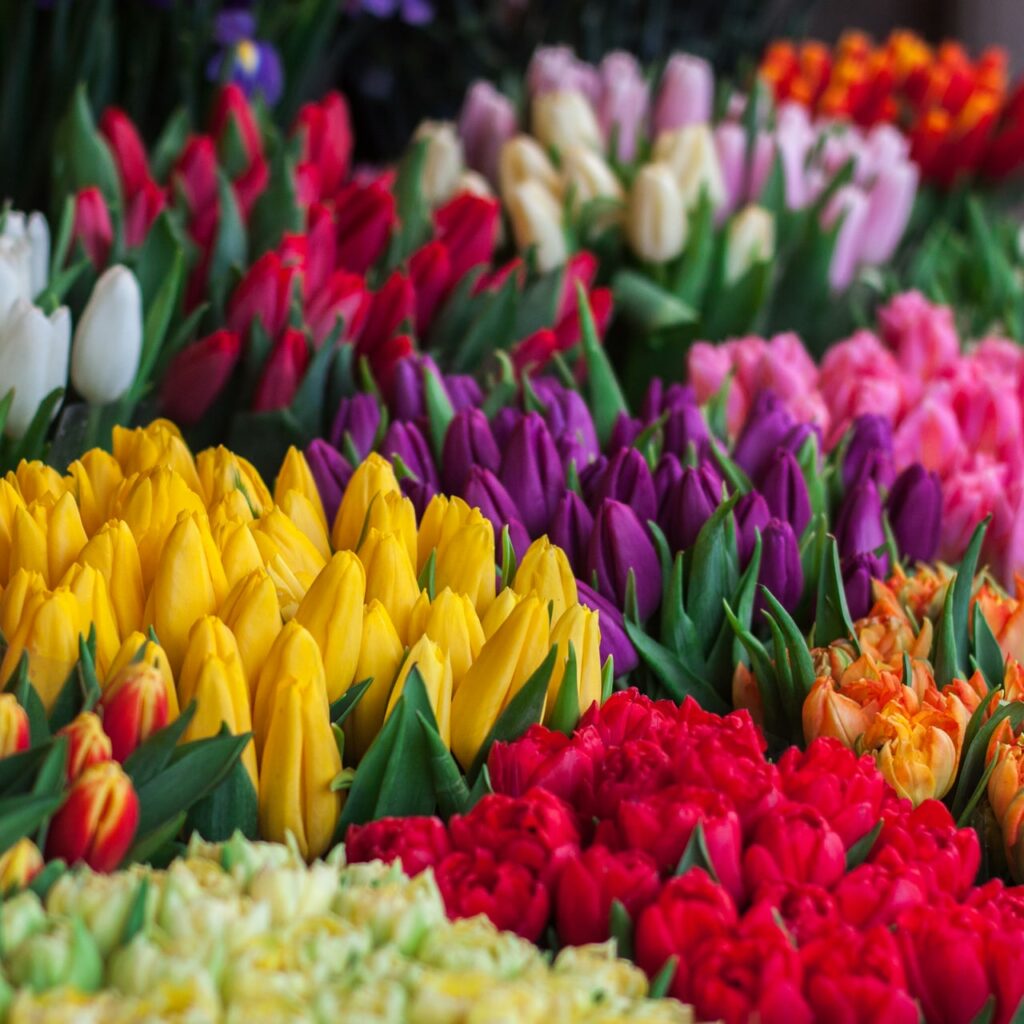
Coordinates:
567	328
343	296
251	175
93	227
794	843
14	730
141	210
198	374
430	272
88	744
128	151
326	134
265	292
468	227
319	250
365	215
384	361
389	308
134	706
195	177
97	822
419	843
283	372
535	352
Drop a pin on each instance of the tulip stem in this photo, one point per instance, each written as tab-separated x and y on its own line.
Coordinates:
93	424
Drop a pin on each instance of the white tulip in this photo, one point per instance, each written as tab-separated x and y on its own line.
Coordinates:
656	223
60	350
108	339
565	118
15	274
25	353
443	164
474	183
691	154
35	231
750	240
523	159
537	222
589	177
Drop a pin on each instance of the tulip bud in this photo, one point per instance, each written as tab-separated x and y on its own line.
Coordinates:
781	572
859	572
627	477
443	164
505	663
14	730
685	94
139	650
785	490
588	177
578	626
752	514
451	621
276	534
890	202
221	472
859	523
92	226
468	442
565	118
500	610
156	446
466	564
405	442
690	153
689	505
656	226
97	822
615	642
19	864
570	529
487	121
435	669
197	376
390	577
915	513
531	469
536	217
332	473
485	492
546	570
133	706
33	360
371	478
523	159
869	452
108	340
113	553
90	590
295	475
442	520
88	744
750	240
917	753
618	545
253	614
849	210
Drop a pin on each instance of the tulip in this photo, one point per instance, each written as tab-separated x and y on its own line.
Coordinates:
620	545
33	360
750	241
468	442
451	621
622	104
536	217
97	822
88	744
253	614
781	572
299	760
578	626
15	274
108	339
405	442
869	451
371	478
442	521
484	491
435	670
113	553
546	570
442	163
48	633
523	159
23	585
656	226
690	153
213	675
500	610
506	661
588	177
92	225
19	864
380	655
487	121
627	478
430	273
914	508
565	118
342	300
14	730
859	523
276	534
859	572
364	218
283	372
156	446
532	471
785	490
198	374
466	564
133	706
390	577
468	227
127	148
847	213
685	93
95	607
768	426
331	472
890	202
326	141
689	505
751	513
31	236
138	650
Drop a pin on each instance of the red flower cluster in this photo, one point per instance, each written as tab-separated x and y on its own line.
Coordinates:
796	891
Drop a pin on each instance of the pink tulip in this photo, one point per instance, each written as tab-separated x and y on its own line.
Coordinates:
849	209
794	138
622	105
890	202
922	335
558	69
930	435
731	148
707	367
486	123
686	93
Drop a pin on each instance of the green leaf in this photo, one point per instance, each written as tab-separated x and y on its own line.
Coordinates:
31	445
427	579
489	331
307	408
148	847
620	928
606	399
988	655
647	306
696	854
22	815
170	143
832	616
858	853
413	212
28	697
798	653
607	678
157	257
137	914
277	210
972	764
450	787
440	411
158	318
229	250
151	757
662	981
764	672
62	237
947	657
345	704
523	710
962	588
508	559
82	158
44	881
713	573
566	712
979	791
231	807
18	771
726	651
987	1013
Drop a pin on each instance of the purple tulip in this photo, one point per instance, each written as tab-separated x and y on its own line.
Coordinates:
359	417
570	528
785	490
407	398
781	572
690	505
625	431
794	139
467	443
571	450
531	470
858	526
419	492
686	93
667	474
620	543
558	69
915	513
486	123
566	414
485	491
627	477
769	426
849	209
731	149
622	104
504	421
685	426
614	639
858	572
751	514
463	391
406	442
869	452
331	471
590	478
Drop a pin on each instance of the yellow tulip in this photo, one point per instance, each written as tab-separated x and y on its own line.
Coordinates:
390	577
159	444
577	625
276	534
252	613
97	611
443	519
239	552
94	480
380	655
332	611
29	531
24	583
231	508
150	503
221	472
546	569
34	481
465	563
48	631
10	500
290	588
295	475
213	676
300	760
293	655
506	661
65	535
435	668
500	610
183	589
391	513
303	513
112	551
451	621
372	477
136	645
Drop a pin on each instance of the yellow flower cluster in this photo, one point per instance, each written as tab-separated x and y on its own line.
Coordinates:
247	932
265	613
